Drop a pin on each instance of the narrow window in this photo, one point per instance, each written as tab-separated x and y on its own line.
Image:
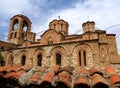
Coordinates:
58	59
84	53
80	58
23	60
39	60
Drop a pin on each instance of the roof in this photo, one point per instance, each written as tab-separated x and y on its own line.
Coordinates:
54	75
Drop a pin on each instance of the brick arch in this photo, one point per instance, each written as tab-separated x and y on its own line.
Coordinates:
61	51
85	48
36	53
21	54
10	59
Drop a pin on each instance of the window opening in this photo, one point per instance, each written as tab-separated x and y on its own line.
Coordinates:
39	60
82	58
16	24
23	60
58	59
25	26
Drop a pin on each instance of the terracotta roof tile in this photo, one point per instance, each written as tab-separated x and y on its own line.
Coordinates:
96	78
26	75
94	70
48	77
25	67
82	71
3	68
15	75
82	80
114	79
35	77
55	68
12	68
65	78
67	68
110	71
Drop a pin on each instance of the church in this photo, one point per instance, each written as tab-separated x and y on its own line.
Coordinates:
57	59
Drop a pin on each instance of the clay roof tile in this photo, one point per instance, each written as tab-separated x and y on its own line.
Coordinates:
82	80
35	77
48	77
68	69
96	78
81	71
110	71
55	68
94	70
114	79
15	75
65	78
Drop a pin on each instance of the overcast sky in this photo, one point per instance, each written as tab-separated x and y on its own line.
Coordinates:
105	13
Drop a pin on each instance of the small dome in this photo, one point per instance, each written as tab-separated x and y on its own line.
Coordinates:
88	26
59	26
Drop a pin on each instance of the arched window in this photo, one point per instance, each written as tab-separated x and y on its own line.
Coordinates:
15	24
82	58
58	59
39	60
23	60
25	26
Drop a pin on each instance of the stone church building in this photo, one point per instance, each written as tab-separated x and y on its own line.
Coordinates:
57	59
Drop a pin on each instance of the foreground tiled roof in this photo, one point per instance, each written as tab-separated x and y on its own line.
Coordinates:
54	76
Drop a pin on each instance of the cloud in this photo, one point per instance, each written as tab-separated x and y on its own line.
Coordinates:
105	13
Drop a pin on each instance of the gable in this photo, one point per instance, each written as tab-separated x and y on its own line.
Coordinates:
50	36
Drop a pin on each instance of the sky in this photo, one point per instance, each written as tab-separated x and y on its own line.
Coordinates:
105	13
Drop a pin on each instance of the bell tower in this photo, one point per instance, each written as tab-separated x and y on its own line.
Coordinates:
20	30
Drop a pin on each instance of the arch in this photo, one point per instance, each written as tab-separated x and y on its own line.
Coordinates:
61	52
82	54
23	57
83	44
39	55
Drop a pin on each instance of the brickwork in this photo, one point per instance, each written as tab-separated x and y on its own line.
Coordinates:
92	48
